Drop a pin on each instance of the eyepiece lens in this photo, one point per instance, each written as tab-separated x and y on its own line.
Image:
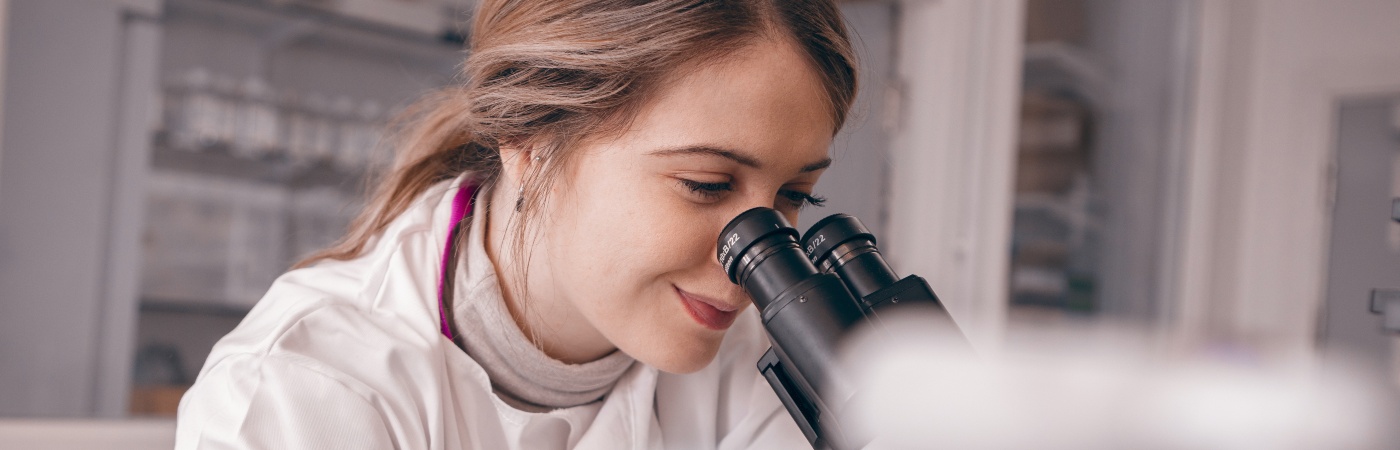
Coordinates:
829	233
747	229
842	245
759	251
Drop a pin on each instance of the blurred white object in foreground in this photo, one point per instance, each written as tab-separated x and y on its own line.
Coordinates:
1102	389
62	434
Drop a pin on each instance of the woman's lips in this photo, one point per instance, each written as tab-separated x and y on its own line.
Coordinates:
707	312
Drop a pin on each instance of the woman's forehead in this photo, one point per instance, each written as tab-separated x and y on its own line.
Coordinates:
764	102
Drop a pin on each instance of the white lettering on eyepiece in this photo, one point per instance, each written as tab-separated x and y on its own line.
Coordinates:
812	247
724	257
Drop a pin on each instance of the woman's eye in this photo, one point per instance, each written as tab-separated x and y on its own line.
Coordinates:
799	200
706	190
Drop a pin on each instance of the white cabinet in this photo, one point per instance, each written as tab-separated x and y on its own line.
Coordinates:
128	248
271	118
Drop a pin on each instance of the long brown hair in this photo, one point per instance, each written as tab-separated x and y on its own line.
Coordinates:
548	73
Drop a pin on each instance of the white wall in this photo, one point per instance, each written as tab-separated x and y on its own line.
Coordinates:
66	304
59	98
1268	81
860	153
88	434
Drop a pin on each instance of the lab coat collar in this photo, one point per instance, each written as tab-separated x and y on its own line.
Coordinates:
627	414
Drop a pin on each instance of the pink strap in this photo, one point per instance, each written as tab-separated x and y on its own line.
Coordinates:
461	206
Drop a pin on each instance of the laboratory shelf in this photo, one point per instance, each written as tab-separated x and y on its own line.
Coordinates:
194	306
217	161
270	115
283	23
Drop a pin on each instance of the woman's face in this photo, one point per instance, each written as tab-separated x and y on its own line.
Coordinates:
627	253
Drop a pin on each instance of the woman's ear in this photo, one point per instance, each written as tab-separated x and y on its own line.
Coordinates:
516	161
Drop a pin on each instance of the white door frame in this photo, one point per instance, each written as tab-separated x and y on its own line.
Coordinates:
952	157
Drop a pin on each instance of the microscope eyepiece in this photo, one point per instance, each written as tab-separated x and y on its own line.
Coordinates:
831	232
755	226
758	250
842	245
807	313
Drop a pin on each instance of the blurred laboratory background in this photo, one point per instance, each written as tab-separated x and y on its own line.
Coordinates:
1221	176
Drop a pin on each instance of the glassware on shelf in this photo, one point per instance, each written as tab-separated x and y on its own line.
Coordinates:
226	111
202	110
298	135
257	240
1055	225
289	115
205	111
184	246
170	119
373	133
256	121
310	130
382	156
340	115
248	174
359	134
193	110
318	217
212	240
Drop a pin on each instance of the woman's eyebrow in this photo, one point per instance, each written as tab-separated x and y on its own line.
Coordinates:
819	165
734	155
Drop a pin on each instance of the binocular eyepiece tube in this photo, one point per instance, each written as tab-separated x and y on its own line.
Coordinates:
810	297
753	239
842	245
839	244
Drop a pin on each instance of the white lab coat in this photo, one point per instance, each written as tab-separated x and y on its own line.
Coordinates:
348	355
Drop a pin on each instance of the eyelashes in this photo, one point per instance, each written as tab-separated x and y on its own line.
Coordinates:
803	199
714	191
708	190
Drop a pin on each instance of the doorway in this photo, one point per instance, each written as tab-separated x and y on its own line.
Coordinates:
1364	252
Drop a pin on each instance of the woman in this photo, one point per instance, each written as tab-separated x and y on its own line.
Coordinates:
538	271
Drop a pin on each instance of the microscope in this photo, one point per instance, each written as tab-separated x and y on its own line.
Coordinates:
813	292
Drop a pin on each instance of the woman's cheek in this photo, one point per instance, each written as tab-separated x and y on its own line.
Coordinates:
691	227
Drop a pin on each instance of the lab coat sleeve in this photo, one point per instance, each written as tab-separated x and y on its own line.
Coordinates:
260	401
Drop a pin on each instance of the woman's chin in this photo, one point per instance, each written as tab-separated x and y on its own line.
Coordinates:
679	358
